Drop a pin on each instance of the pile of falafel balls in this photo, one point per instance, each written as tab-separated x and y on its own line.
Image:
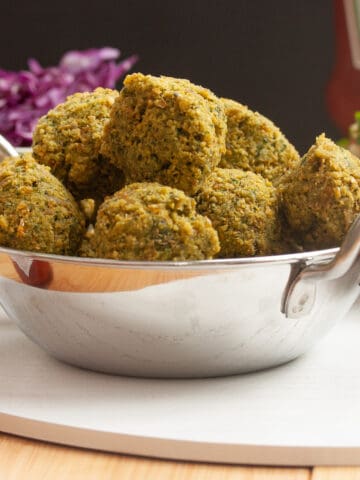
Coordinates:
165	170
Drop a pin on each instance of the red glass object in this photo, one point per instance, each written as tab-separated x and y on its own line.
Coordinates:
343	90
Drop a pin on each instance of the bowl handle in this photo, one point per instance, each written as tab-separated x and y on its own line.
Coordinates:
301	293
6	149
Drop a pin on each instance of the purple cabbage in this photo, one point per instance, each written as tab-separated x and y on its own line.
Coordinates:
25	96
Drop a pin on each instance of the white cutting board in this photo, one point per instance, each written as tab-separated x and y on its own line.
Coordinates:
304	413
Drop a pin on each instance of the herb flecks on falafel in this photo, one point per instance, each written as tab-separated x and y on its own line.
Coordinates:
243	208
321	197
37	213
149	221
68	140
165	130
254	143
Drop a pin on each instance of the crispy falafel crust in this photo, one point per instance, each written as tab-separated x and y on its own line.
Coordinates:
68	140
165	130
149	221
243	208
321	197
254	143
37	213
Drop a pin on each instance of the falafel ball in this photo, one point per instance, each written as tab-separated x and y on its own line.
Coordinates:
254	143
243	208
68	139
37	213
165	130
149	221
321	197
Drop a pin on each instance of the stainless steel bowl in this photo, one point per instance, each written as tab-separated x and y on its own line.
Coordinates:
189	319
180	319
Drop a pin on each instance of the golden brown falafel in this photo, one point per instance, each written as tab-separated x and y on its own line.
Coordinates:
254	143
68	139
149	221
165	130
37	213
321	197
243	209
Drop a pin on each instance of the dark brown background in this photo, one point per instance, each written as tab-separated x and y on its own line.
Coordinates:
274	55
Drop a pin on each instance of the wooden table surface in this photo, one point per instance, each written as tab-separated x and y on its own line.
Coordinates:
26	459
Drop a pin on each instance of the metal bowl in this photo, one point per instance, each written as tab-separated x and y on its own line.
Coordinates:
186	319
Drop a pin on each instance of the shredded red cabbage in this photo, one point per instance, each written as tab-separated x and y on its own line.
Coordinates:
25	96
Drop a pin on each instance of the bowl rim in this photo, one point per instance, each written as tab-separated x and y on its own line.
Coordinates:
220	263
